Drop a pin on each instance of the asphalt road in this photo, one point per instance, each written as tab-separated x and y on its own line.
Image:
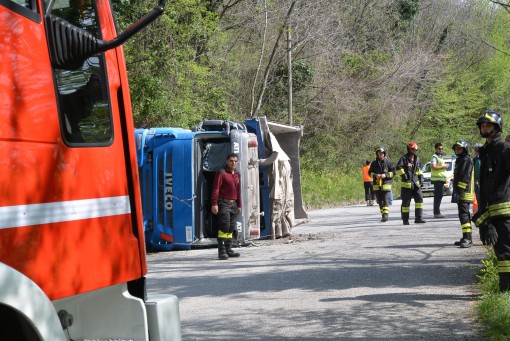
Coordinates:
342	276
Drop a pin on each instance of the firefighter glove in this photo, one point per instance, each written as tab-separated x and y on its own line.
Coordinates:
488	234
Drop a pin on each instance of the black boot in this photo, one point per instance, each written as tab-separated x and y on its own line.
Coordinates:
230	252
466	241
384	217
222	252
419	220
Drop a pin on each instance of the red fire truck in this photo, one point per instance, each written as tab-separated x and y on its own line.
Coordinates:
72	251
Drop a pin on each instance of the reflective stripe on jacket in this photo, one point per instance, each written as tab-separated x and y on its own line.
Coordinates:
494	181
464	179
409	171
383	166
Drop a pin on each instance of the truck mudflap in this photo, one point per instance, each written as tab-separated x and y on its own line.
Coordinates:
281	205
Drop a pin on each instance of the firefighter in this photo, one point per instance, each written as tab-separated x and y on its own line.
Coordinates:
464	185
382	172
409	169
493	216
368	184
226	203
438	177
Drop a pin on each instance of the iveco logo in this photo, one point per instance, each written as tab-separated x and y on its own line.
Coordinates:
168	191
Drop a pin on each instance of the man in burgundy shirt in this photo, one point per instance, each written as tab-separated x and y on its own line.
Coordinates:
226	203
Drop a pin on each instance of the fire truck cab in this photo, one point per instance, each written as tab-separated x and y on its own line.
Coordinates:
72	250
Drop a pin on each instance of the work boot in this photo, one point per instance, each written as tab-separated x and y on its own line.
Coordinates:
439	216
457	243
466	241
406	222
222	252
419	220
384	218
228	247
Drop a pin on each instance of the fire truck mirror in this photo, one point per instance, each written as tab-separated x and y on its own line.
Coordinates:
70	45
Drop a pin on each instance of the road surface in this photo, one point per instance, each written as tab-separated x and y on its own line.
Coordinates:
344	275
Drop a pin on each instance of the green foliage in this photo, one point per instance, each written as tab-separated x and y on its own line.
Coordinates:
365	65
467	89
172	81
329	189
488	276
494	307
407	10
276	100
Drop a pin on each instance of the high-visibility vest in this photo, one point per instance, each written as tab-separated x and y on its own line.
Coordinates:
366	176
438	175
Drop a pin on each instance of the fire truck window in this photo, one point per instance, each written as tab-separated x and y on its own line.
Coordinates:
83	93
30	4
26	8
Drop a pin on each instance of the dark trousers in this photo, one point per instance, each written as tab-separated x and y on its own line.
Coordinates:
464	217
438	196
502	251
369	190
383	198
227	213
408	194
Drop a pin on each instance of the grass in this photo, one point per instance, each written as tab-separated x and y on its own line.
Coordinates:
323	189
494	307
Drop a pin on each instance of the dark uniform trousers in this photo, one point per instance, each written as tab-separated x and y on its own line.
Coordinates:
464	216
383	199
227	213
411	193
502	251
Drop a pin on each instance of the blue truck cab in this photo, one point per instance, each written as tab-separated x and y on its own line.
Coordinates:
177	169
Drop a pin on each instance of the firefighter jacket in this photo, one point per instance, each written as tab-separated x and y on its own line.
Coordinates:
463	178
410	171
439	174
494	181
383	166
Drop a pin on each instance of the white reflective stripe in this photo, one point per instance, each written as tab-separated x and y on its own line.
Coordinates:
56	212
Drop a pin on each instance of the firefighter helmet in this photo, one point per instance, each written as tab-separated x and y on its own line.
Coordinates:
490	116
412	145
380	149
462	144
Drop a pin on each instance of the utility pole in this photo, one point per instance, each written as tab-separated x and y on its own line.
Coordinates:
289	72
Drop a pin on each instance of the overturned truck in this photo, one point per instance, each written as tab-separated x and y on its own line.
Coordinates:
177	169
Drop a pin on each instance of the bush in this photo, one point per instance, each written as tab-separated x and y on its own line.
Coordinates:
494	307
